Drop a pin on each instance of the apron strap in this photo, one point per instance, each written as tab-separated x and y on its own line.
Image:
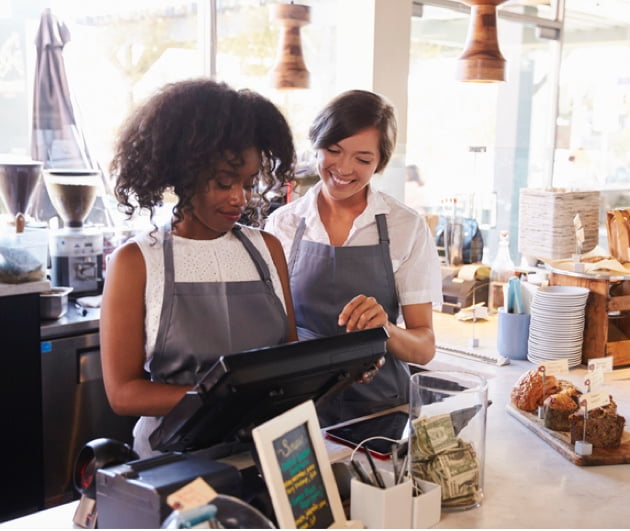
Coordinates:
169	287
299	233
388	269
257	258
381	225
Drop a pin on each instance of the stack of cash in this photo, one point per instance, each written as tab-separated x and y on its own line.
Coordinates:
439	456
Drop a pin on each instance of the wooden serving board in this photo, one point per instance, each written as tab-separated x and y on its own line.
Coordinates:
561	441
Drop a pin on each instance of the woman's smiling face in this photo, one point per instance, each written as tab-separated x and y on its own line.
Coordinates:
347	166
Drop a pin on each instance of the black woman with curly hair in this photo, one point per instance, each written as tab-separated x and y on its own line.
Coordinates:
179	296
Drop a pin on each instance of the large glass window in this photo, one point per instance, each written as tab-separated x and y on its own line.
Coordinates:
593	143
478	142
120	52
485	142
247	41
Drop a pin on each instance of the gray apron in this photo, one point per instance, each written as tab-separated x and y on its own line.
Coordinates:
200	321
323	280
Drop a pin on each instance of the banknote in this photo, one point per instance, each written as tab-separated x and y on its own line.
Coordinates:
440	457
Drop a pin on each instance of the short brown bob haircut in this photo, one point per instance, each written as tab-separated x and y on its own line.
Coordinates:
352	112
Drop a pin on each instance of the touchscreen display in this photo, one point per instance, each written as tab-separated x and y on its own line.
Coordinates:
392	425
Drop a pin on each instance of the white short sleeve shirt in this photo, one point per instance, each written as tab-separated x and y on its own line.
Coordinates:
412	248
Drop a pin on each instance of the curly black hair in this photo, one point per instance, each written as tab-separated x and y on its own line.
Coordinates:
175	140
351	112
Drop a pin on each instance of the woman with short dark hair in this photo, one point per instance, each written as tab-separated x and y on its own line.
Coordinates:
359	257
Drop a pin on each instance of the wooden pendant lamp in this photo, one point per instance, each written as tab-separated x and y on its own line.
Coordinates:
290	71
481	60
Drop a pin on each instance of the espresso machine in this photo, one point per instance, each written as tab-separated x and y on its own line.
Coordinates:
76	251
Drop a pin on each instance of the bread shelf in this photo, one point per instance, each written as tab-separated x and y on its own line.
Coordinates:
603	335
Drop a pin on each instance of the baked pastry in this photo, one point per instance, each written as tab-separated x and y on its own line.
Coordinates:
604	427
558	407
528	393
567	386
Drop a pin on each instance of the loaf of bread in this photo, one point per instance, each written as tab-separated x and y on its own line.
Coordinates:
558	407
604	427
528	393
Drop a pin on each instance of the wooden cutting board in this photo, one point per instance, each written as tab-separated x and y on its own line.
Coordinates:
561	441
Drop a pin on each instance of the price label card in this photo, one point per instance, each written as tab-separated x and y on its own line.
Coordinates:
595	399
594	379
480	312
191	495
602	364
555	367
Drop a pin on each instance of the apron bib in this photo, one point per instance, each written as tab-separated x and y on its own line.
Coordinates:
323	280
201	321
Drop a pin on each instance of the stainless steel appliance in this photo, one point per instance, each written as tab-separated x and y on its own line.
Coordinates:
75	409
76	251
76	258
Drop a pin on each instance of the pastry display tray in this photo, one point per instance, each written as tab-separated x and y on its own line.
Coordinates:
561	441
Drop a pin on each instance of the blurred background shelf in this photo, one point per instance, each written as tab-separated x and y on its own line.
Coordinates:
607	317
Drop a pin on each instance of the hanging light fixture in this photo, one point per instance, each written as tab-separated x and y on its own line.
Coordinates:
481	60
290	71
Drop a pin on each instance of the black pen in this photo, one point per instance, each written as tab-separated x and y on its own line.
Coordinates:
375	472
361	473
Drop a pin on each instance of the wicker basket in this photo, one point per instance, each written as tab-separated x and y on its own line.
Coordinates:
545	228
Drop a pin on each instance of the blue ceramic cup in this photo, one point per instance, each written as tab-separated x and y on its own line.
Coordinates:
512	334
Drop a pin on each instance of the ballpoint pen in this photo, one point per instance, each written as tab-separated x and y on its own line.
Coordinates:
375	472
361	473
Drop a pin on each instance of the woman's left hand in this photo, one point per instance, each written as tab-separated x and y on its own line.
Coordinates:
368	376
361	313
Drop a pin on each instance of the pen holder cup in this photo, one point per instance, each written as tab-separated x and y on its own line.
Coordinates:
425	507
388	508
512	334
447	413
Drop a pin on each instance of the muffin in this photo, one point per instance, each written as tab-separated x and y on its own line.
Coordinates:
604	427
528	393
558	407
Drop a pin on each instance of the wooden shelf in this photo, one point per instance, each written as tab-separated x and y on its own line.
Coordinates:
603	334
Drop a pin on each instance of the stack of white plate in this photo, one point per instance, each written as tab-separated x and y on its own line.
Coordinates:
556	328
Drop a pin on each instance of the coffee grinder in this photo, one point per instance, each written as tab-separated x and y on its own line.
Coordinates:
76	252
17	184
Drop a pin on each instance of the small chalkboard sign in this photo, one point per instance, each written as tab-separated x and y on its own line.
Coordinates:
297	471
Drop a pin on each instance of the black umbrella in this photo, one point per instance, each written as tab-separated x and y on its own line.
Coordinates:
57	139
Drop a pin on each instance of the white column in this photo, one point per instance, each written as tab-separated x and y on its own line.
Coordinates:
373	40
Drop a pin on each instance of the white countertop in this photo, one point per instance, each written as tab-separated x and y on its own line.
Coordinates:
528	484
7	290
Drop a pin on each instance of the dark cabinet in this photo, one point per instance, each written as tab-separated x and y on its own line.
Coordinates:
53	402
21	448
